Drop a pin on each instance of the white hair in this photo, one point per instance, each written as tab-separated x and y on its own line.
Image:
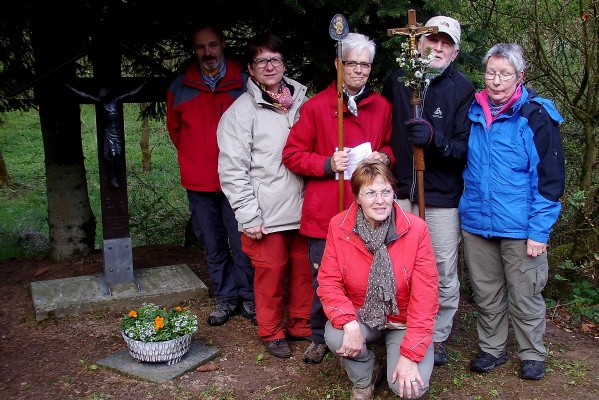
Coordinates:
358	43
511	51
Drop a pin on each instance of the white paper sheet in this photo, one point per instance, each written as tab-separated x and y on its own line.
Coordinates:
356	155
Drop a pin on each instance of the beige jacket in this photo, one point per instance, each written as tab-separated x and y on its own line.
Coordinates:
251	135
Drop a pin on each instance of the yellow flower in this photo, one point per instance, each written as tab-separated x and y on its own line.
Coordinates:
133	314
158	323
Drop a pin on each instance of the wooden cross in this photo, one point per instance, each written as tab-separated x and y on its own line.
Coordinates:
415	30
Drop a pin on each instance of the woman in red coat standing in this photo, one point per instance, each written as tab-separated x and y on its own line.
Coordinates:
379	279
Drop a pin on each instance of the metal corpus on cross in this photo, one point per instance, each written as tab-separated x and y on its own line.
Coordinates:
414	30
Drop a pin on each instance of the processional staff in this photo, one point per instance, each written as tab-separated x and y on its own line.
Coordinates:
338	30
414	30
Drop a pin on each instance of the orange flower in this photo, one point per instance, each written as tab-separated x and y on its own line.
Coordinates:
158	323
178	309
133	314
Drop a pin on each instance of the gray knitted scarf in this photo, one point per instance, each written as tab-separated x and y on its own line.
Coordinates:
380	295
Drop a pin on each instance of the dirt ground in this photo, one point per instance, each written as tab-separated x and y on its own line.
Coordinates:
55	359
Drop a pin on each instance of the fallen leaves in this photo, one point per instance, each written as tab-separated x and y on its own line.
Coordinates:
208	368
587	328
40	272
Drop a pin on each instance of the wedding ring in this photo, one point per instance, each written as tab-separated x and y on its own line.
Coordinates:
413	381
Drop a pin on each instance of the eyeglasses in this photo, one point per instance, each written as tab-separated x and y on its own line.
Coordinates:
371	195
263	62
354	64
503	76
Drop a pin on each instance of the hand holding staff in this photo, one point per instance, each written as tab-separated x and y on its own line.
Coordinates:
338	30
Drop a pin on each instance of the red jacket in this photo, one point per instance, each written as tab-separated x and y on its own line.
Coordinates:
192	115
343	276
314	139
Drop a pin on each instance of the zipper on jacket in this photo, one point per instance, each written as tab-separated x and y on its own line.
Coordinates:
413	185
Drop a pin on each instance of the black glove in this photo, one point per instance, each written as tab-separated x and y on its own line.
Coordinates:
420	131
443	144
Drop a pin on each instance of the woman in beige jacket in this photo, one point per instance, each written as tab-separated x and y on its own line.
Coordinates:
267	197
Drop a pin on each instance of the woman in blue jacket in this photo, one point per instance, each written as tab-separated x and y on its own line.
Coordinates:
513	181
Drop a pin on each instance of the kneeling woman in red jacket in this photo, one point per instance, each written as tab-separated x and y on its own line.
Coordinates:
379	279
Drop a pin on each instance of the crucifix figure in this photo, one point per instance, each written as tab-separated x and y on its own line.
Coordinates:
414	30
113	134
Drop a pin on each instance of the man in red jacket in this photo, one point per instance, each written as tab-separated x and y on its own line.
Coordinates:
196	100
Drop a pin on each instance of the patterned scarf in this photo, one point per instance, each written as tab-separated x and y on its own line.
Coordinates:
212	77
380	295
352	106
283	99
495	108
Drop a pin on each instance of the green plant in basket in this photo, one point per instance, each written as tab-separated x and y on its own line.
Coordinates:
150	323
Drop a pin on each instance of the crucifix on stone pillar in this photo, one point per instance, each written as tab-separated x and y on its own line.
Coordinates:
107	90
414	30
117	246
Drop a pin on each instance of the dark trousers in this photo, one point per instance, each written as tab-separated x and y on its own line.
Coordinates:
215	225
318	318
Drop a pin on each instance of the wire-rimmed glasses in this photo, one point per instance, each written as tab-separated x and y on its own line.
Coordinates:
503	76
371	194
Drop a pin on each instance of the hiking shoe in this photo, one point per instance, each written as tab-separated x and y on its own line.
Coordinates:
248	310
485	362
278	348
367	393
224	310
440	353
315	353
532	370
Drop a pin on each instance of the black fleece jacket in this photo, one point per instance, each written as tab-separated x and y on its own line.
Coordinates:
446	104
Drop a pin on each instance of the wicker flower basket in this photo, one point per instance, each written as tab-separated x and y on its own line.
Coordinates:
169	351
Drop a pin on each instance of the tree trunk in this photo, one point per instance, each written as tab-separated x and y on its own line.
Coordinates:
585	218
4	176
144	143
71	222
589	159
72	225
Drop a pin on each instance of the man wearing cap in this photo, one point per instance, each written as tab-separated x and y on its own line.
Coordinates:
443	131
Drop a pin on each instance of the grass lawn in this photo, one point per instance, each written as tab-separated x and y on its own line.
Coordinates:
157	202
